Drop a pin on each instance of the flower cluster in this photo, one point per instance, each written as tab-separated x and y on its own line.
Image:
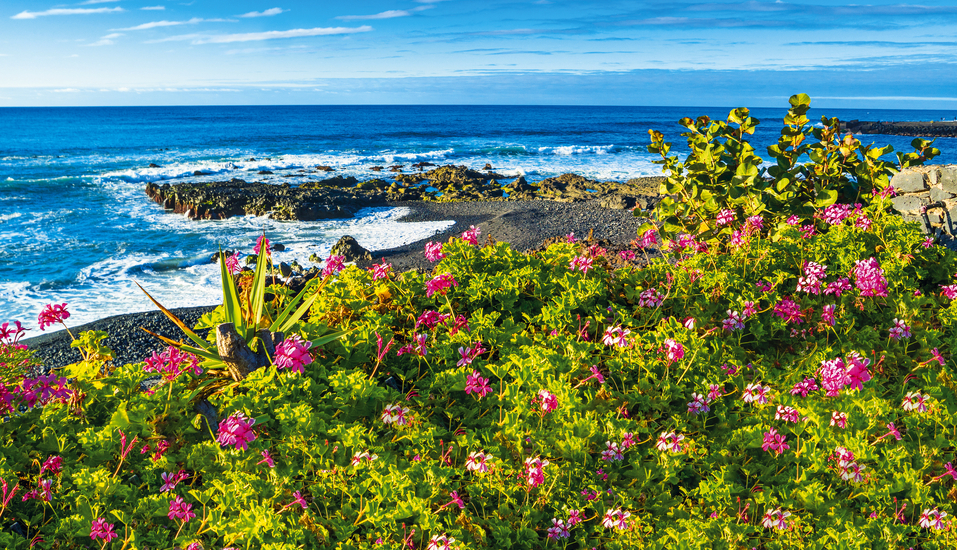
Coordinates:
51	314
334	265
789	310
615	519
650	298
932	518
810	281
914	401
471	235
674	351
545	401
236	430
669	441
581	263
293	354
837	375
869	278
395	414
180	510
756	393
433	251
847	468
475	383
478	462
775	518
440	284
616	336
172	363
535	471
417	346
899	330
774	441
100	529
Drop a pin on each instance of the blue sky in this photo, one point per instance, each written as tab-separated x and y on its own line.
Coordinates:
720	53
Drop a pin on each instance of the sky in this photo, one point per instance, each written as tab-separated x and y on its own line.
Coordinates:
877	54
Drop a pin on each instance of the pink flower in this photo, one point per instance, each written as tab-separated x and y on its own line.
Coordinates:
54	465
949	291
431	319
478	462
838	287
471	236
773	441
293	354
574	517
359	457
333	266
535	471
558	530
756	393
581	263
775	519
612	452
440	542
899	330
804	387
869	278
669	441
380	270
862	222
932	518
172	363
714	392
417	347
433	251
788	414
100	529
236	430
839	419
232	264
754	224
297	499
937	356
627	255
615	519
814	275
615	336
53	313
267	458
179	509
570	238
547	401
627	440
170	481
688	323
827	315
395	414
440	284
698	404
789	310
648	239
734	322
793	220
475	383
260	242
725	217
674	351
914	401
808	231
650	298
749	309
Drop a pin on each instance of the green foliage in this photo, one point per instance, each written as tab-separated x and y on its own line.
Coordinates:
813	168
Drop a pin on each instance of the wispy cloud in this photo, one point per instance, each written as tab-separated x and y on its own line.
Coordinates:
88	2
381	15
265	13
64	11
153	8
107	40
267	35
155	24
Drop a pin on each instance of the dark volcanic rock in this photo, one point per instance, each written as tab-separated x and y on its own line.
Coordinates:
223	199
570	188
917	129
153	165
350	250
336	181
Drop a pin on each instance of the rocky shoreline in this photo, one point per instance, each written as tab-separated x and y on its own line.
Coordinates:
928	129
342	197
525	224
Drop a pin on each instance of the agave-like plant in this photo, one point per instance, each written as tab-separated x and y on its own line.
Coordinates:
248	338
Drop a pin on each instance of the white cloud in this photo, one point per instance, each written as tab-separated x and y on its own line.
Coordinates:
266	13
107	40
383	15
88	2
64	11
267	35
155	24
65	91
153	8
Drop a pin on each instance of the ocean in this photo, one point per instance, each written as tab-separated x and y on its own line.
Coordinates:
77	227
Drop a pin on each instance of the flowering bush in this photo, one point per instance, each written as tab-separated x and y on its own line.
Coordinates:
533	404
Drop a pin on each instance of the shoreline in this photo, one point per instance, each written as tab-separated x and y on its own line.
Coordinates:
522	224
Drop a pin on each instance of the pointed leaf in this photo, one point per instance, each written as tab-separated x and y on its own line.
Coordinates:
182	326
329	338
231	296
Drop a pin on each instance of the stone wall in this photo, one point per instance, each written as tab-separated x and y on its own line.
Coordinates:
928	194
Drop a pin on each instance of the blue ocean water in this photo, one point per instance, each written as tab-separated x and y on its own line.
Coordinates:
78	228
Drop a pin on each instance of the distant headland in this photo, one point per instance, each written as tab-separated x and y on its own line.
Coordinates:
917	129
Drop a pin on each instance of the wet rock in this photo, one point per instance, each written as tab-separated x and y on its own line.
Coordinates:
336	181
350	250
396	168
201	173
570	188
324	168
376	168
264	172
422	165
153	165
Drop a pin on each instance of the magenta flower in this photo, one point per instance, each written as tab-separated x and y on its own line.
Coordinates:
674	351
914	401
417	346
615	519
236	430
827	315
669	441
793	220
380	271
170	481
262	242
478	462
804	387
862	222
773	441
581	263
364	455
395	414
571	237
937	356
650	298
558	530
612	452
775	519
54	465
698	404
293	354
789	310
648	239
839	419
180	510
53	313
725	217
232	264
267	458
297	499
433	251
814	275
431	319
838	287
574	517
535	471
440	284
595	374
949	471
756	393
754	224
869	278
949	291
899	330
439	542
547	401
334	265
616	336
475	383
471	235
11	336
627	255
932	518
100	529
172	363
734	322
788	414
